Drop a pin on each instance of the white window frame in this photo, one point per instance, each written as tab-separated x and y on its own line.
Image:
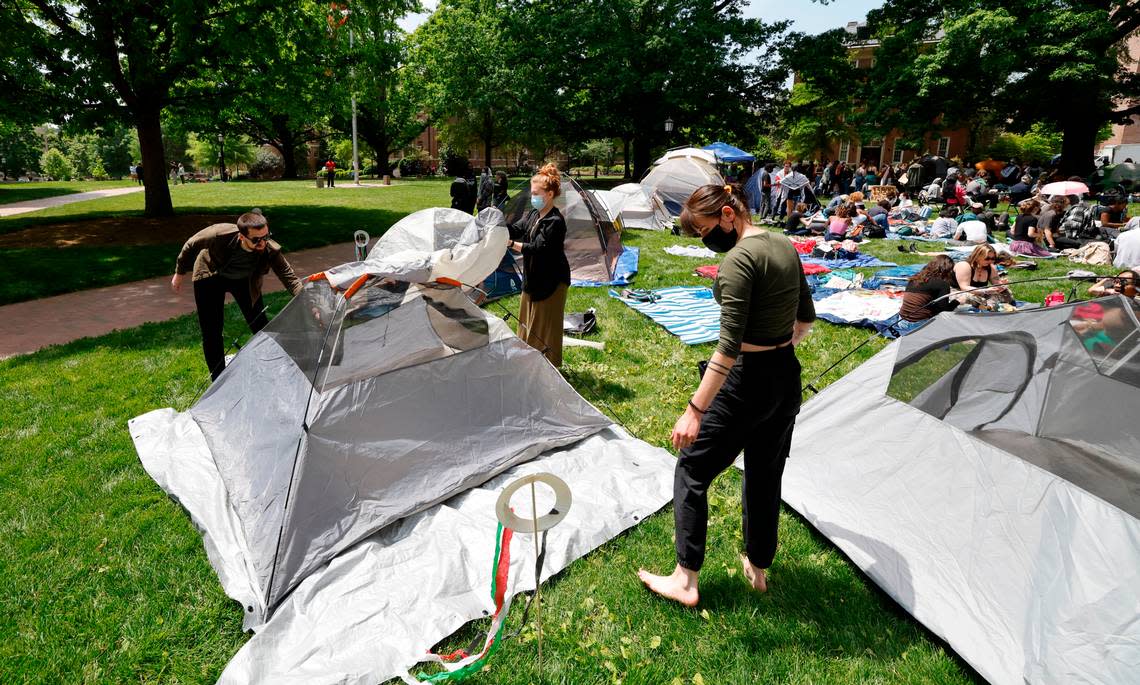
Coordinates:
844	150
944	146
897	155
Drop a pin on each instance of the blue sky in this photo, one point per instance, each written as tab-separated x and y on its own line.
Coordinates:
807	16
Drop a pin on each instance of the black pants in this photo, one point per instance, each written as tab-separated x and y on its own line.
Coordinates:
754	411
210	298
332	178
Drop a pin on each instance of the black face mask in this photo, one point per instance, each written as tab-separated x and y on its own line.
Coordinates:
719	241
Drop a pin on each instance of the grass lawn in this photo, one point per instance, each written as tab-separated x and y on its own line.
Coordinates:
300	216
104	579
19	192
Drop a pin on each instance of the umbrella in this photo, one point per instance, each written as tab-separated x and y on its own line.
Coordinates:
1065	188
991	165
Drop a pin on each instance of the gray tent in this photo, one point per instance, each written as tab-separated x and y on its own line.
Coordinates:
593	237
353	409
985	471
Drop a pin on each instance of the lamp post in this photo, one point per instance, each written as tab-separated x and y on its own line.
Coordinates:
668	125
222	156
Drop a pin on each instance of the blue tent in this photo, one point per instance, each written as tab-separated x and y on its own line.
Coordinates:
727	153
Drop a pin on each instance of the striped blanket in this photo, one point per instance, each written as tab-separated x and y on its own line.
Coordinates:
688	312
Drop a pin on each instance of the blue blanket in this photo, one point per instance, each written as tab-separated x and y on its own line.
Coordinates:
860	260
688	312
624	270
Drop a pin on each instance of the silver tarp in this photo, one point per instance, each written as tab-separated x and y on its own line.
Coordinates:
985	472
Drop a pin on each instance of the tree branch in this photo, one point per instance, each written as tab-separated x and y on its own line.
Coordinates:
61	22
1125	20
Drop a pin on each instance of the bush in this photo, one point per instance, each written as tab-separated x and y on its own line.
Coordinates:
411	166
266	165
56	165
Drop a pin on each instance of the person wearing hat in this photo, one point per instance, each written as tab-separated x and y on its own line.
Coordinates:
231	258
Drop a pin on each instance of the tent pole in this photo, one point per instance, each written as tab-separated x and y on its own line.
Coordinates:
537	575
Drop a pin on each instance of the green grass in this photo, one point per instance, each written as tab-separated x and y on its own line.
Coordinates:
104	579
300	216
19	192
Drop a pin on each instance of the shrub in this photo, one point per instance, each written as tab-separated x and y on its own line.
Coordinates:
56	165
266	165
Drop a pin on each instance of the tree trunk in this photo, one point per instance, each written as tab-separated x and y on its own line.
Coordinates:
625	157
1077	146
642	153
157	193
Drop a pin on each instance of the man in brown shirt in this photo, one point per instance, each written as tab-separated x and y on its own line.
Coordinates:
231	258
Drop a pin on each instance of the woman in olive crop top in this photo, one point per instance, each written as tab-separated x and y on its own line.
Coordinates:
749	395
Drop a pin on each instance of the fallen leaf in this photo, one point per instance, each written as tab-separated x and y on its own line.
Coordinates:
655	642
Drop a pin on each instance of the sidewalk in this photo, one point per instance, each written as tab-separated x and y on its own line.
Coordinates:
29	326
14	208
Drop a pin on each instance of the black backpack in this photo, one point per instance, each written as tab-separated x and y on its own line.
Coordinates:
949	187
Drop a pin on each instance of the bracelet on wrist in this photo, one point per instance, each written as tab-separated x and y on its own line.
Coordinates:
697	409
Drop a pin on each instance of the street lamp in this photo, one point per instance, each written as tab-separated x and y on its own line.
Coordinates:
668	125
222	156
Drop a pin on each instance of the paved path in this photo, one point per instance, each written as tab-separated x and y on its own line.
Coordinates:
45	202
29	326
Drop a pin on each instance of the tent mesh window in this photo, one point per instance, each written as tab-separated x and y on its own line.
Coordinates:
1054	387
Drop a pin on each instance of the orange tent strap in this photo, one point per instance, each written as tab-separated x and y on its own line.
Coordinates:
319	276
449	281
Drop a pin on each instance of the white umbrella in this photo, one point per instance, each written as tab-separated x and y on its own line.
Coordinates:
1064	188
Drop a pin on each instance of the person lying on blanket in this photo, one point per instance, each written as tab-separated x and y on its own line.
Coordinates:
749	395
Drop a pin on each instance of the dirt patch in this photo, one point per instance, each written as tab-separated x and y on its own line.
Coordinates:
113	231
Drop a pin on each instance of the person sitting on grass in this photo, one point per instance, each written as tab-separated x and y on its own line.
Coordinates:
945	225
839	222
797	223
978	280
1027	234
927	293
1115	215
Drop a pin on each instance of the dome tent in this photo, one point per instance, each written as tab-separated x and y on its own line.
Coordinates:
997	498
677	174
639	208
593	238
377	392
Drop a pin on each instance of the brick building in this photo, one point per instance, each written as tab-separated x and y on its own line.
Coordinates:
1129	134
861	49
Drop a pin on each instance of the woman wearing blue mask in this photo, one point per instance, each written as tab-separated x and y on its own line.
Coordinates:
539	237
749	395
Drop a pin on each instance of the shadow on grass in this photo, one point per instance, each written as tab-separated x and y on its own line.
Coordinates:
36	272
595	388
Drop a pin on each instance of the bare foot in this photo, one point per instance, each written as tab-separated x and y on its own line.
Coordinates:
756	577
680	586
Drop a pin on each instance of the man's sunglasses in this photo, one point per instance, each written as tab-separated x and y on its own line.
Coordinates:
257	241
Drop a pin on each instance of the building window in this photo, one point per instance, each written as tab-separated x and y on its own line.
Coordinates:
944	147
896	158
844	148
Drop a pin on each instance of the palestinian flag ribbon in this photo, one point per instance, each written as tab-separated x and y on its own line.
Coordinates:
471	664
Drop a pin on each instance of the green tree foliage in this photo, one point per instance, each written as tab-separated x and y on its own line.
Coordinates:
464	55
129	60
1018	63
619	68
20	148
389	102
599	151
55	164
1039	144
822	97
83	153
204	151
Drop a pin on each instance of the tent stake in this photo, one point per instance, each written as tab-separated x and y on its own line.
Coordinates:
537	579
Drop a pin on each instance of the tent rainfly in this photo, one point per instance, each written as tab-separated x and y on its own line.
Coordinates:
985	472
638	207
726	153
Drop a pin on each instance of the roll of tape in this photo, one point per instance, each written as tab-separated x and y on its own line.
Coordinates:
548	520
